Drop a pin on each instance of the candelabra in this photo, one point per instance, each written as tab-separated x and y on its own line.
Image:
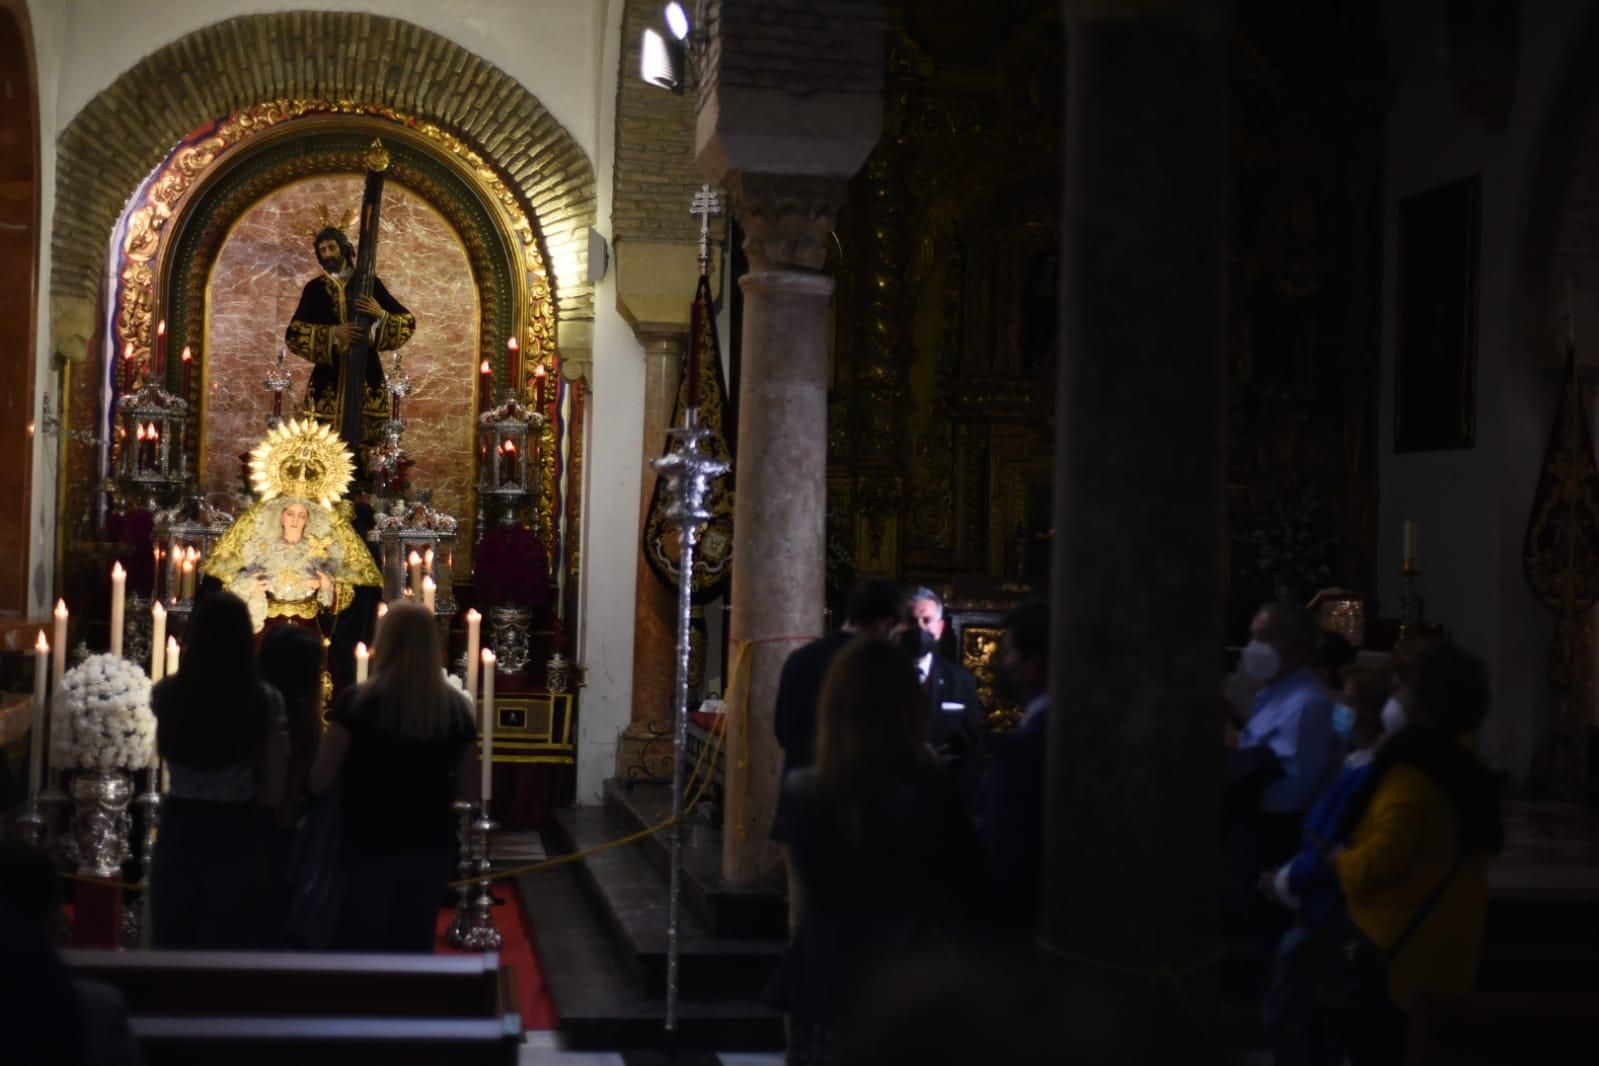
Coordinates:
508	442
387	460
480	933
465	867
278	381
152	463
1409	603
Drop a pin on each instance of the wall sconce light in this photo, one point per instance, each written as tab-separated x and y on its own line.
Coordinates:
663	59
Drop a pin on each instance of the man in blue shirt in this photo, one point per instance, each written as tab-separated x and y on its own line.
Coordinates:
1286	756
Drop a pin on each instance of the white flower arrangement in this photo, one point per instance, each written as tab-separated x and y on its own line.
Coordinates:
102	718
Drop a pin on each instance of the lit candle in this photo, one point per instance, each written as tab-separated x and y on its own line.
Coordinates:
361	657
427	561
172	656
161	348
539	374
188	369
474	623
155	576
508	463
513	355
485	384
58	665
119	588
414	561
1410	543
186	588
41	674
430	591
127	366
488	722
158	640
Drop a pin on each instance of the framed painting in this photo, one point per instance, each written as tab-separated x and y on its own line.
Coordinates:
1435	371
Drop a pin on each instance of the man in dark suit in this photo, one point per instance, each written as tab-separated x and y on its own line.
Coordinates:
954	714
874	608
1013	792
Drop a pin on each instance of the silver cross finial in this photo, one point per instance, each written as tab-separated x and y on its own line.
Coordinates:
707	202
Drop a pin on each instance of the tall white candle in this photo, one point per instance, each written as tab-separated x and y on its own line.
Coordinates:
58	664
41	675
119	590
430	592
361	657
158	641
474	623
414	562
427	562
172	656
488	722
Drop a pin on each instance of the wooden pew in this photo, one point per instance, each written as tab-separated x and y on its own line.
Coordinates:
299	983
243	1007
262	1041
1506	1029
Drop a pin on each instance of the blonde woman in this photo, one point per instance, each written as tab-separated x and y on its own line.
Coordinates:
401	747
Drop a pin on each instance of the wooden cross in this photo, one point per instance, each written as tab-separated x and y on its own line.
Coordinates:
707	202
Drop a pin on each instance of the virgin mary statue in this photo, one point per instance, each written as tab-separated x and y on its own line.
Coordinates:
293	556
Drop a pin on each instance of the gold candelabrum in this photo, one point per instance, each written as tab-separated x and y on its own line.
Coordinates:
1410	623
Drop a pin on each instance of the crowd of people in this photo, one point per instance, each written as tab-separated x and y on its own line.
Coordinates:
276	833
1359	824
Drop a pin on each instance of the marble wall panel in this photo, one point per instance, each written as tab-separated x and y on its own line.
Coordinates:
255	287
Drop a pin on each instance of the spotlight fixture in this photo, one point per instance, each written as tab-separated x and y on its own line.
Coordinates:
663	60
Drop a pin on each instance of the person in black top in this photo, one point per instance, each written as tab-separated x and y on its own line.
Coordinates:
886	861
221	731
400	748
290	660
874	608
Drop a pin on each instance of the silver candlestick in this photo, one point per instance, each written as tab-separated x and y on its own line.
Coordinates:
465	867
31	822
481	934
688	472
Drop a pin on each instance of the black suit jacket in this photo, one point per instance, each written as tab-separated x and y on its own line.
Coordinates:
799	690
956	733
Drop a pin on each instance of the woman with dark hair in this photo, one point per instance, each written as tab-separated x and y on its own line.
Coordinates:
1421	832
401	746
887	862
221	731
291	662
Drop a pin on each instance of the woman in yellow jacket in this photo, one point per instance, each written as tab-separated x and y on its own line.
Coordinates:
1420	836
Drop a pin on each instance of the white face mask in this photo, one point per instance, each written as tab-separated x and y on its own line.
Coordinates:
1261	661
1393	716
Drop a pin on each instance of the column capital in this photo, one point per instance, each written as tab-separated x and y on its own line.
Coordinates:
662	339
787	218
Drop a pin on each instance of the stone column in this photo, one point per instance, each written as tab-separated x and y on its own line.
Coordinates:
790	105
1132	820
645	746
781	464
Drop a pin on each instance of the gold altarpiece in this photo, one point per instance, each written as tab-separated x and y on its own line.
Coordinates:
173	245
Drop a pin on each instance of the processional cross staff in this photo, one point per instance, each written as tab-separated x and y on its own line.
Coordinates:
688	472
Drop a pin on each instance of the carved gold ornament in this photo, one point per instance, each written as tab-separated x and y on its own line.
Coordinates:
302	459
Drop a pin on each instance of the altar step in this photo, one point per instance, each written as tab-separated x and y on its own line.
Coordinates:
601	930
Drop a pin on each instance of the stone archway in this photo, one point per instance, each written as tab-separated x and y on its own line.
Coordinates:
123	133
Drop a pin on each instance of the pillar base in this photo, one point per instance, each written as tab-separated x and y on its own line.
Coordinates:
644	752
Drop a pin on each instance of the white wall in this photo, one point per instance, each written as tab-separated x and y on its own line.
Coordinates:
566	52
49	24
1472	505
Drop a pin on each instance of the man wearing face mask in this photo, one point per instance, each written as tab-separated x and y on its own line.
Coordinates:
954	713
1286	756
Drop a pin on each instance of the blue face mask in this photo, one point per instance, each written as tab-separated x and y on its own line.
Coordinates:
1343	720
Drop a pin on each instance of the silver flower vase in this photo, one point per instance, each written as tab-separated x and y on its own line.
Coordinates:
508	636
100	823
556	673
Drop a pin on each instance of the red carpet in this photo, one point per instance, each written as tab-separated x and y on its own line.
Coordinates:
538	1012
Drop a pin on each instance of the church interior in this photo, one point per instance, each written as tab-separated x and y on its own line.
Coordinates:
625	351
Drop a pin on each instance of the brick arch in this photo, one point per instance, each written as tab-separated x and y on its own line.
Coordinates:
112	145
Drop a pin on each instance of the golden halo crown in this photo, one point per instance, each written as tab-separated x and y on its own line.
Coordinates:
302	459
324	219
